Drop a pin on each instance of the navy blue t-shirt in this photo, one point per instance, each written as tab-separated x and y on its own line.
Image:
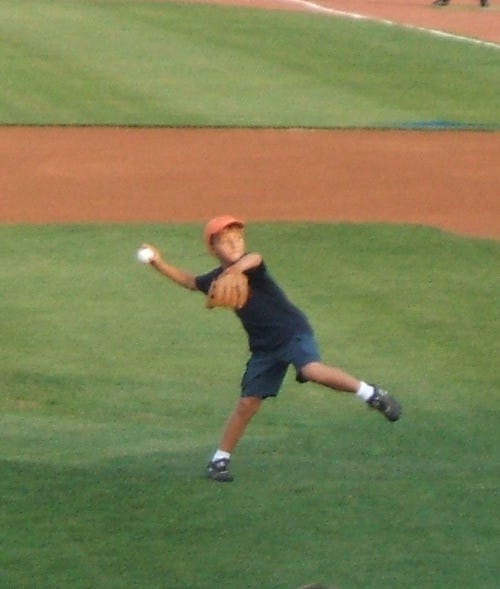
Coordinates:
268	317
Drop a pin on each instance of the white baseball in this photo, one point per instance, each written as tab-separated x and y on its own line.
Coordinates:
145	255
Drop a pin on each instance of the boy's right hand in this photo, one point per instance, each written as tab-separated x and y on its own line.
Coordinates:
152	253
154	259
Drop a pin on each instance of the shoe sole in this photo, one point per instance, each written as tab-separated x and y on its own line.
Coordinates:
221	478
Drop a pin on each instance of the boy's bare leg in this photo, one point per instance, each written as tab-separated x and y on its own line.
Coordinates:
245	409
334	378
331	377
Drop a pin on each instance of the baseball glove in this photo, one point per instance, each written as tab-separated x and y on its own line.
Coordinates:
228	290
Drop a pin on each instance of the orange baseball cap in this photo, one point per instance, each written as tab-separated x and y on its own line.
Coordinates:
217	224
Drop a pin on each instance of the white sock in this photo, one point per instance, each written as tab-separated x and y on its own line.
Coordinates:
220	454
365	391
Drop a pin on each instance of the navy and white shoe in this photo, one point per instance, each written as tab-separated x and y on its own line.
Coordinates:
217	470
385	403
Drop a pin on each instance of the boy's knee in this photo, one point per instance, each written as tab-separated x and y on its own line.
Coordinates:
311	372
248	405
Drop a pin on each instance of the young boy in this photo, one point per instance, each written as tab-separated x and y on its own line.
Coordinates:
279	335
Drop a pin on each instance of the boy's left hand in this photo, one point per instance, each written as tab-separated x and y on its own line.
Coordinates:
229	290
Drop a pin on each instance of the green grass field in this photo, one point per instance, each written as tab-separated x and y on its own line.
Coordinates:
114	394
153	63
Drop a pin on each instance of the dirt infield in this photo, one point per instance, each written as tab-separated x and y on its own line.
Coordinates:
445	179
64	175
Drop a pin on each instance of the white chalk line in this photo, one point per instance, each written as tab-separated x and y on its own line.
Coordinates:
314	7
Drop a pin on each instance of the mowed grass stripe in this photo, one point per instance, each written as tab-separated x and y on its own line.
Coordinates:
146	63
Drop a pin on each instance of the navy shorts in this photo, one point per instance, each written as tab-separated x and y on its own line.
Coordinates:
266	371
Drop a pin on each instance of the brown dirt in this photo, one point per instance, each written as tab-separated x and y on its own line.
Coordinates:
445	179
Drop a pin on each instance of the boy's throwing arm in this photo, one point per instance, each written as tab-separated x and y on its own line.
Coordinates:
177	275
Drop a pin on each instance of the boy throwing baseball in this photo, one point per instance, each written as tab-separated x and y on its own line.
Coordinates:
279	334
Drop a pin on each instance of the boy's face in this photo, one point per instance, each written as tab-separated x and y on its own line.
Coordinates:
229	245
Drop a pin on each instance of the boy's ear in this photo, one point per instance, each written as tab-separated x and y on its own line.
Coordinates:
211	249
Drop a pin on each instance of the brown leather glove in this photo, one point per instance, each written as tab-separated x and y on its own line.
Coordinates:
228	290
